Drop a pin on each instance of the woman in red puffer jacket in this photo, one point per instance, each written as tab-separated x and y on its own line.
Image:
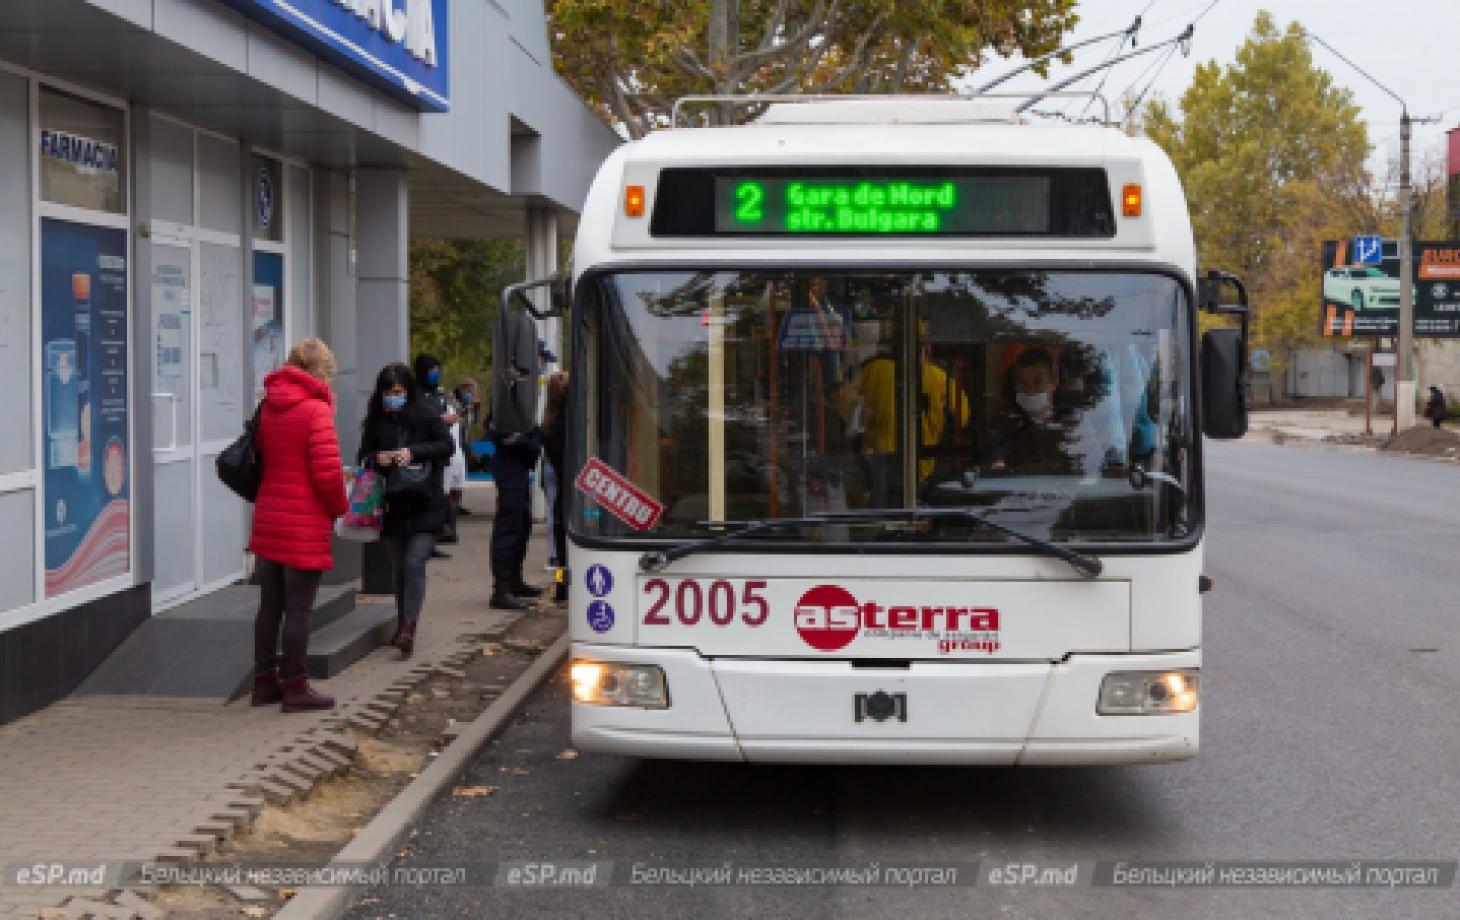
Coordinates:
302	492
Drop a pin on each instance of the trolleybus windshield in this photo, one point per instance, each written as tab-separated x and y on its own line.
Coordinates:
1058	403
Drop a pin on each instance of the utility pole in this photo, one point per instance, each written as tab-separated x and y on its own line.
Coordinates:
1404	383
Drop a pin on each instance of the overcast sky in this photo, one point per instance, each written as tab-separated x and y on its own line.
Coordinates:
1408	45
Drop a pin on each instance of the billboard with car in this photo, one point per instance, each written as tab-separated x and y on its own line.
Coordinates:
1361	296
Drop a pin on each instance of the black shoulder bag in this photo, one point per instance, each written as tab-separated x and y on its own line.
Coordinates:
239	465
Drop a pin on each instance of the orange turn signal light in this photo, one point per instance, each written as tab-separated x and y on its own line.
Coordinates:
1130	200
634	201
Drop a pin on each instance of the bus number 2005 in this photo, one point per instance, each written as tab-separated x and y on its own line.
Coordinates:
717	603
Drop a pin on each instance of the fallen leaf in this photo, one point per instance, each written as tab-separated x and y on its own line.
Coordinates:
471	792
256	911
51	912
569	754
287	893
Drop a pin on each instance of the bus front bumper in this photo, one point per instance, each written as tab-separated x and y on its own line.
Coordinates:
1008	713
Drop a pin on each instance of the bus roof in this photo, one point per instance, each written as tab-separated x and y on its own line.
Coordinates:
889	134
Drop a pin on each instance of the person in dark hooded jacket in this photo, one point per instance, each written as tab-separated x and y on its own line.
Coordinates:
402	427
428	378
1435	409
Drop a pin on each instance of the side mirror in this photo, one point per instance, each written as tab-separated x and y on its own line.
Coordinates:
1224	383
1224	358
558	296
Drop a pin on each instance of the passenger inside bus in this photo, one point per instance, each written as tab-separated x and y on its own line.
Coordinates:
1031	433
943	408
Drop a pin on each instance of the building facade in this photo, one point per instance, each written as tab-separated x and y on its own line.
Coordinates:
188	186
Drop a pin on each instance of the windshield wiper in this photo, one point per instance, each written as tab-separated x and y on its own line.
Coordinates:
654	559
1088	566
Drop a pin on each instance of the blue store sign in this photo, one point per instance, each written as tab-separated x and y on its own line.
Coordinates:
400	46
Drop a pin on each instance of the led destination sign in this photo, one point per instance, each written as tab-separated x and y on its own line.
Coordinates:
1015	205
883	201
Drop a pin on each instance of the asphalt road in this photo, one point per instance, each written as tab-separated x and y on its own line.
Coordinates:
1331	730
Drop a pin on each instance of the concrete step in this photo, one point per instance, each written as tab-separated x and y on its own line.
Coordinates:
201	649
241	602
350	638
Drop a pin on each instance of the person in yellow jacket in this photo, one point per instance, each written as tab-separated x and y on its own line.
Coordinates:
942	401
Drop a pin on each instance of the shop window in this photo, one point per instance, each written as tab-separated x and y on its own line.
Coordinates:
82	153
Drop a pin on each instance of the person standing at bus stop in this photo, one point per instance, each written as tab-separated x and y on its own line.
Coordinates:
302	492
517	354
428	379
403	428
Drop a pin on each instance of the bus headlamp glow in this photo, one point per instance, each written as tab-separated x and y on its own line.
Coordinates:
613	684
1144	693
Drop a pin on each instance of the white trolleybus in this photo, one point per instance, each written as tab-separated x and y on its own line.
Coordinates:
885	441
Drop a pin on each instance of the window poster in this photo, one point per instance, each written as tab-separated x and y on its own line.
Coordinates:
267	315
84	331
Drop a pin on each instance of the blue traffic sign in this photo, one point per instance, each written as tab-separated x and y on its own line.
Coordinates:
1368	250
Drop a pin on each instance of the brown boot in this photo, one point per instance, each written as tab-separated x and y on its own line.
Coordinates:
407	640
300	697
400	624
266	689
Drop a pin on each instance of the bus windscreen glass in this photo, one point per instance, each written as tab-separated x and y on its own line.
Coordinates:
987	201
1031	396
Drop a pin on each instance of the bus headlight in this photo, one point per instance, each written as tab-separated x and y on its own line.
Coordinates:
1145	693
607	683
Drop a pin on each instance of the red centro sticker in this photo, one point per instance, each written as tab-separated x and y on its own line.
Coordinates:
829	618
617	495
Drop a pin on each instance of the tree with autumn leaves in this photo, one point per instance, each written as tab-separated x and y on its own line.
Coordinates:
1272	153
632	58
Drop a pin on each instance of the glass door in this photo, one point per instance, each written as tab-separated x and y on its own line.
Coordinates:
174	441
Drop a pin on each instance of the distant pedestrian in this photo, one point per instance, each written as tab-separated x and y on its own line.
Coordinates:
1435	409
401	429
302	492
470	408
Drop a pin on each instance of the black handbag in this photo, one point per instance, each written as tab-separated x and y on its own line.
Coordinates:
239	465
411	482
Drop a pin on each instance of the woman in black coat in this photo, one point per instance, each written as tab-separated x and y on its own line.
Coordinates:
402	429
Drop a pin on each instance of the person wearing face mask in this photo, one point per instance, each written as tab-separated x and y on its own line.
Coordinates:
1031	435
403	427
428	378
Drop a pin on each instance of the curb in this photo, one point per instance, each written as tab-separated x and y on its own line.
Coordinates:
382	834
